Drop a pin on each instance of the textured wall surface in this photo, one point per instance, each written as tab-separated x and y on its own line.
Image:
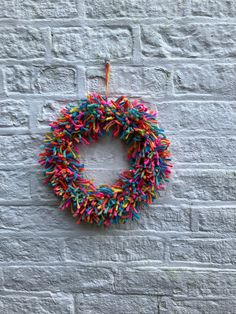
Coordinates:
181	256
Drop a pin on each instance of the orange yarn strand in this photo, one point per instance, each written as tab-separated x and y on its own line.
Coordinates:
107	70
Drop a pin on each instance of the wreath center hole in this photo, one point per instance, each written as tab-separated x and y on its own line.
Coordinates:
104	160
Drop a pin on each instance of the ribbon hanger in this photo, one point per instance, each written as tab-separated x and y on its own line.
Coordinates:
107	71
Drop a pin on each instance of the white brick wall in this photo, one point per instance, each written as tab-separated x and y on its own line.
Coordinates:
181	256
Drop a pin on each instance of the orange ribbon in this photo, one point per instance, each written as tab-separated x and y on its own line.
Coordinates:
107	70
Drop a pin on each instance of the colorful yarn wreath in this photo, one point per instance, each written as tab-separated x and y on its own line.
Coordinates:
148	155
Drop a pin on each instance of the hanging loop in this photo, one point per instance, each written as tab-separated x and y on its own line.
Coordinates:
107	71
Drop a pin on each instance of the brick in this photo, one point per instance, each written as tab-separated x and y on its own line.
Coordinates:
163	196
8	9
134	8
14	113
207	79
57	80
2	88
204	40
36	218
41	191
21	148
206	185
33	9
213	8
107	153
196	283
1	278
197	306
30	249
14	184
120	248
40	80
198	149
20	79
81	43
103	176
219	251
21	43
50	110
197	116
107	303
24	304
49	218
58	279
217	219
134	81
165	218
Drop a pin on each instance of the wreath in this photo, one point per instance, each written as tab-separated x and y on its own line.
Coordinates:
86	122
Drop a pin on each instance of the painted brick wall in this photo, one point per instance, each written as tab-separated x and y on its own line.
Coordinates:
181	256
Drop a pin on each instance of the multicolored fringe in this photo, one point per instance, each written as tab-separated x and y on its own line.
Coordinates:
148	155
